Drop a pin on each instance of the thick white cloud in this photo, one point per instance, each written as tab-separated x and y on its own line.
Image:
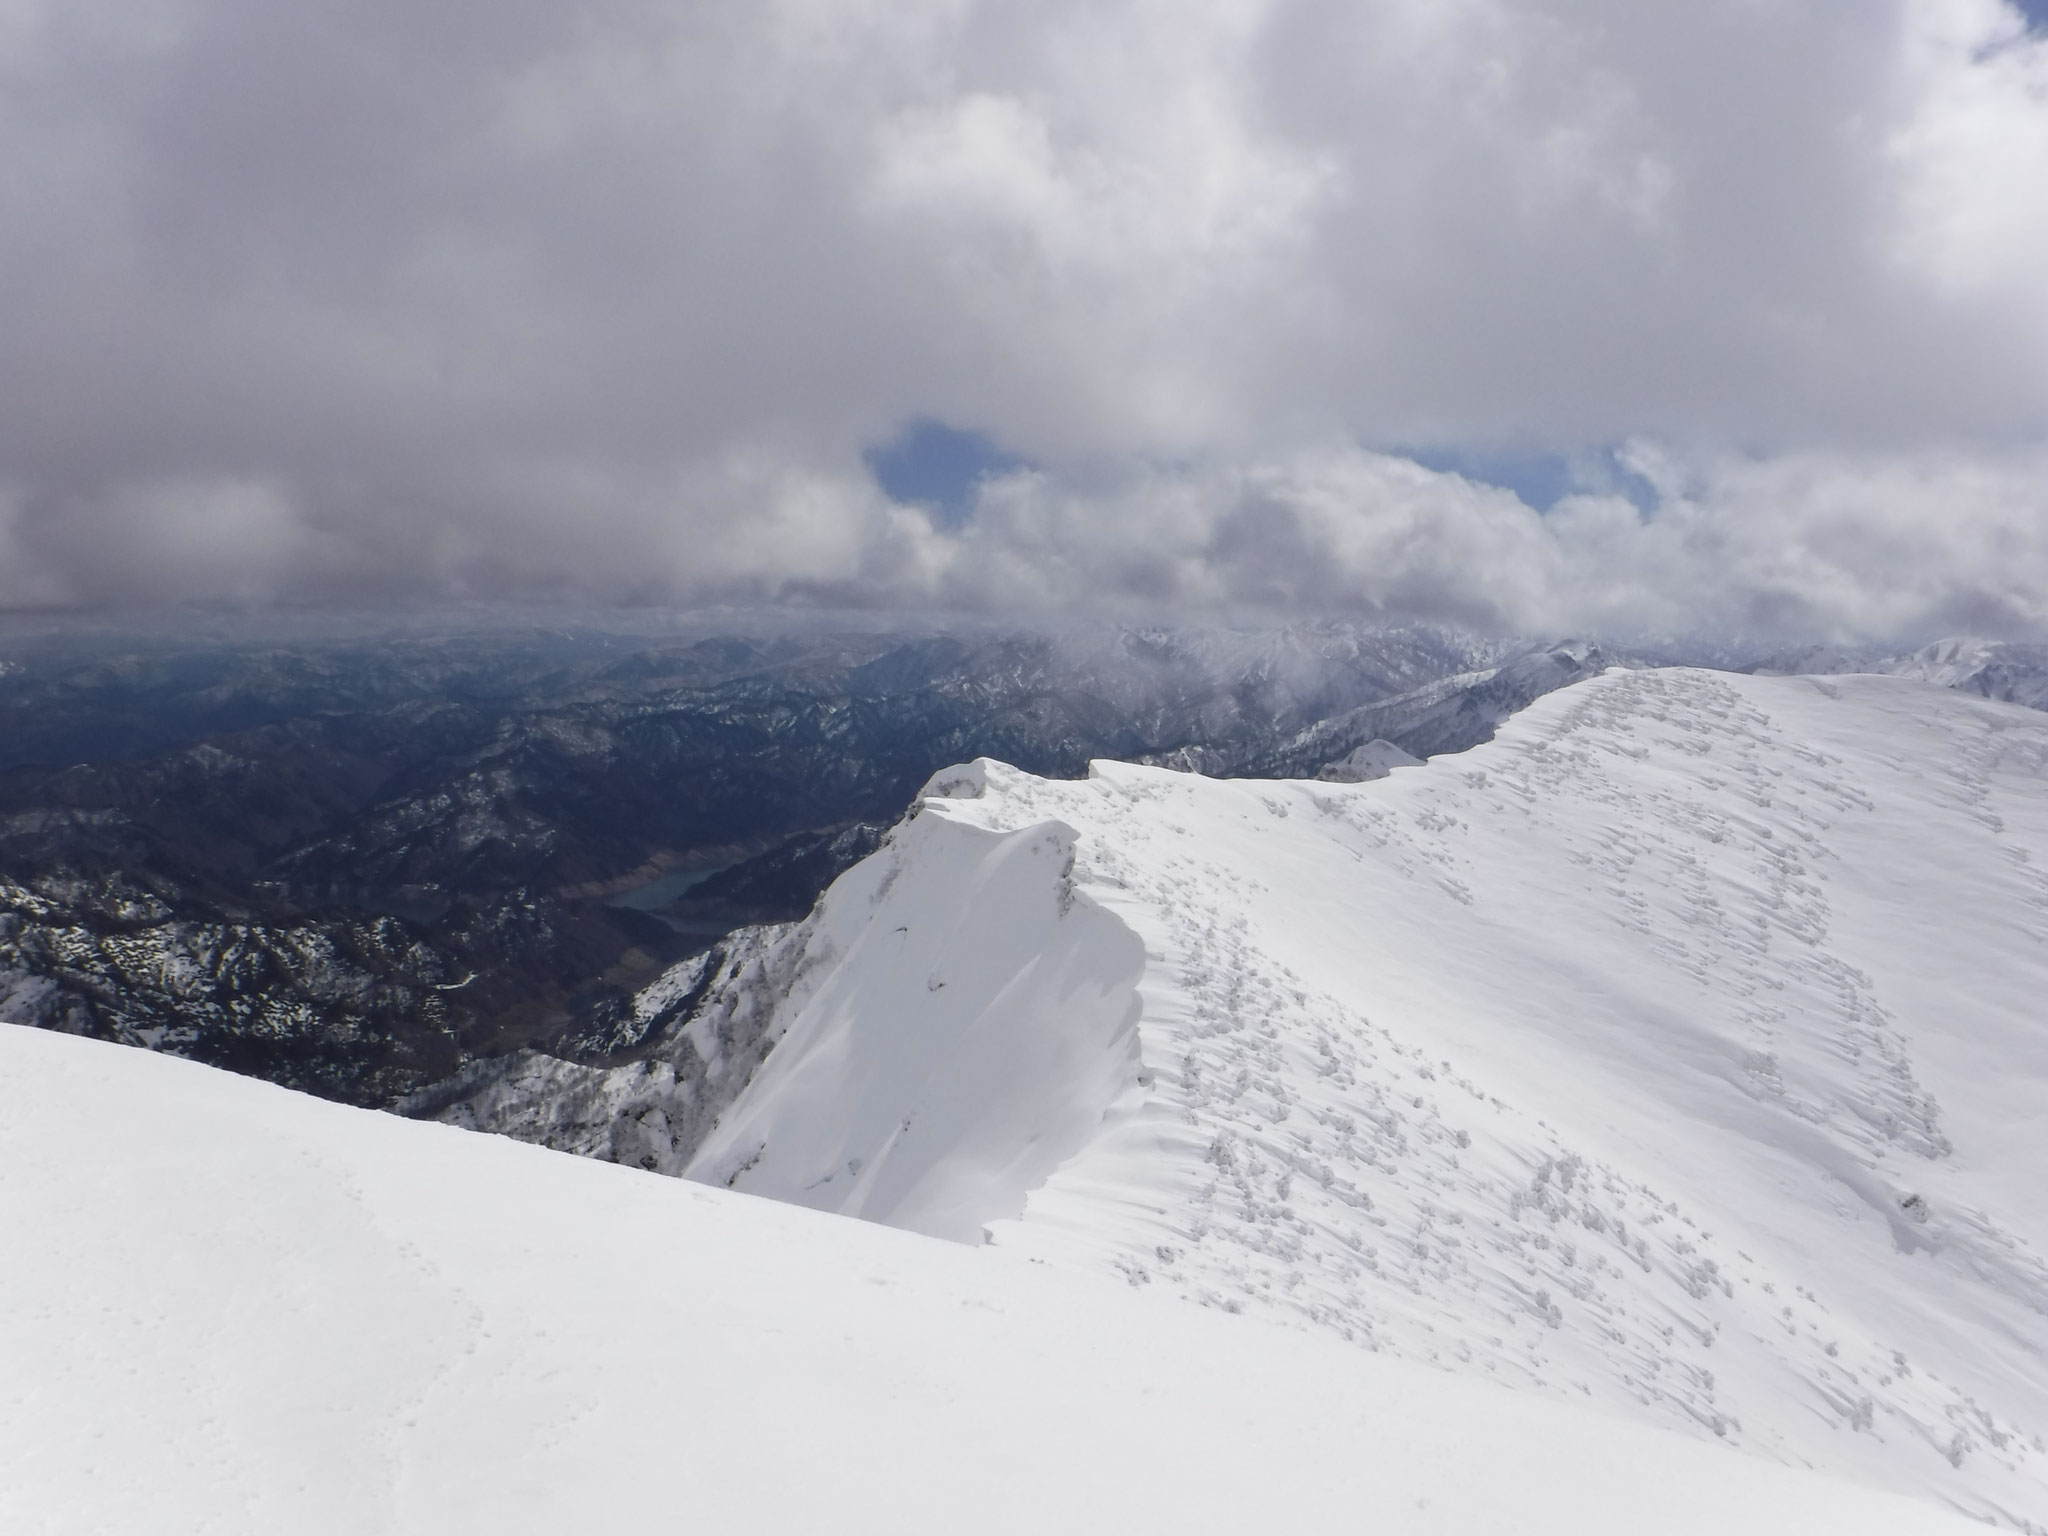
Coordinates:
363	298
1834	546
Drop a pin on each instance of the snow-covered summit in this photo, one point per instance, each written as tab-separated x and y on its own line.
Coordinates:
1678	1052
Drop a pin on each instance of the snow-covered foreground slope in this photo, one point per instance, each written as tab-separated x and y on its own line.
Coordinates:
1680	1052
233	1309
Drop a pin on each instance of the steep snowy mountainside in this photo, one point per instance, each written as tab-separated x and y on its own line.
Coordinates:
1680	1051
1016	1015
664	1071
1012	1032
235	1309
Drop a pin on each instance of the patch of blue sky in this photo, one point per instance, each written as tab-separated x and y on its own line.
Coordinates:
2036	12
1540	479
933	465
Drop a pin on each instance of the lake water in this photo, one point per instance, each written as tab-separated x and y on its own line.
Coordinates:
659	893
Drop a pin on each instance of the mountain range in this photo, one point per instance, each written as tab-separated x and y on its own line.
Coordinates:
1610	1126
360	866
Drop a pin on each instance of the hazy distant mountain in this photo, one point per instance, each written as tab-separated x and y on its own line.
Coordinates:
351	867
1994	669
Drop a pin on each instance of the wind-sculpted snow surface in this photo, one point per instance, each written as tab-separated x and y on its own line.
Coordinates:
1680	1051
236	1310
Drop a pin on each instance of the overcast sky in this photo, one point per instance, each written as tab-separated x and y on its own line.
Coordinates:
1728	315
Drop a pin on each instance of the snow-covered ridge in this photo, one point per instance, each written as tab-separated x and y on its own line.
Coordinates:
1678	1052
1010	1028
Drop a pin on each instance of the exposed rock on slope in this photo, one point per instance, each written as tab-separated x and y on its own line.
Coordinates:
647	1084
1375	760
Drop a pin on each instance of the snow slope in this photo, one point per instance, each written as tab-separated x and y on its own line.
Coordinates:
234	1309
1679	1052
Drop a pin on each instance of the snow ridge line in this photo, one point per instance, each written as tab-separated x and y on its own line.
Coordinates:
1291	1155
1579	1061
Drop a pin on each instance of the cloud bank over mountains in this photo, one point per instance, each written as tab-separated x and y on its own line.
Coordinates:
360	300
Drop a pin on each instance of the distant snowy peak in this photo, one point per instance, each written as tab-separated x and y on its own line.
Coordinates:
1678	1051
2006	670
1994	669
1449	712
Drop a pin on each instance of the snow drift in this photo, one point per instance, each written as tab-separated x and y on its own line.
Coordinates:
234	1309
1008	1029
1679	1052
